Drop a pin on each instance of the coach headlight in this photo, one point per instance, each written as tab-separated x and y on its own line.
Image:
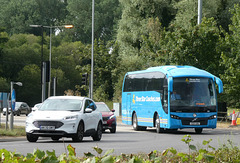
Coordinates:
213	117
175	117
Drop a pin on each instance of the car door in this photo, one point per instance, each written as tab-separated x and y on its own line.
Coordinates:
94	115
87	117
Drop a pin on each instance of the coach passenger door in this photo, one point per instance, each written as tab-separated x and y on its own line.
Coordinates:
129	110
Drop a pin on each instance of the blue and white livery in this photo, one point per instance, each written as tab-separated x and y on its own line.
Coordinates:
170	97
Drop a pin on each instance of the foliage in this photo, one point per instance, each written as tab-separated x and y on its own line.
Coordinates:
105	22
205	154
230	60
129	36
17	15
197	46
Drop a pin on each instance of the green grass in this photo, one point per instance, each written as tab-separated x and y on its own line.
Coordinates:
17	131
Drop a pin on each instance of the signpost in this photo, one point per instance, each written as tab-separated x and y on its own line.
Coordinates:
13	101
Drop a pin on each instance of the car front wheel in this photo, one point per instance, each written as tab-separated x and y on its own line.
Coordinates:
113	130
31	138
79	135
98	134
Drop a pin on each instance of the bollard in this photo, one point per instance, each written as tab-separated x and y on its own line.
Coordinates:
233	119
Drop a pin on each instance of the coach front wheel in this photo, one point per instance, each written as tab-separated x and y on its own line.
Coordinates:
135	122
157	125
198	130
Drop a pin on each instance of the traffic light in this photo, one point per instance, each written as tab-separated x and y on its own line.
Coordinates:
84	78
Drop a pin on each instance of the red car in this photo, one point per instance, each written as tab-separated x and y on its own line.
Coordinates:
109	119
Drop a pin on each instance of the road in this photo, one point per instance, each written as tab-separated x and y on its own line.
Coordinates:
126	141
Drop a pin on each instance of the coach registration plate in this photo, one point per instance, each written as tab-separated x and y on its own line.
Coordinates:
194	123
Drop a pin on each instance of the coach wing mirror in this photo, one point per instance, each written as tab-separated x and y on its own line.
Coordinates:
220	85
170	84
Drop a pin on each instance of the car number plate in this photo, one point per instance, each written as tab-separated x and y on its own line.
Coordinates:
194	123
104	122
47	127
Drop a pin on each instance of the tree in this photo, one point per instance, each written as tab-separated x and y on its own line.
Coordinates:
4	85
3	39
197	46
19	51
187	12
17	15
230	60
107	13
30	92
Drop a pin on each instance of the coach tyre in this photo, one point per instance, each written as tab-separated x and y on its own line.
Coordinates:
157	125
135	122
198	130
98	134
78	137
31	138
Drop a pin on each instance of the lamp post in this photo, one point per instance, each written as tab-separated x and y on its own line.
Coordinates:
199	11
13	100
43	83
91	79
50	53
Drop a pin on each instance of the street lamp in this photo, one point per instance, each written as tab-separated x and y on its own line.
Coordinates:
13	99
50	56
50	52
91	79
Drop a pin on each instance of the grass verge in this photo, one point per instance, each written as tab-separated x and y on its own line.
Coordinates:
17	131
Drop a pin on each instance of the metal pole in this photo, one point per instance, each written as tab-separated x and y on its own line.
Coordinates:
11	116
91	80
50	60
44	81
54	85
42	73
199	11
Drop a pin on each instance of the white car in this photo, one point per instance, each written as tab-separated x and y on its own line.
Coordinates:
65	116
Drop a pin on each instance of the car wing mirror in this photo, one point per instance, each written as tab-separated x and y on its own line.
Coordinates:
88	110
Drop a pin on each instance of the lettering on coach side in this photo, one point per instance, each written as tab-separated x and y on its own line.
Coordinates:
145	99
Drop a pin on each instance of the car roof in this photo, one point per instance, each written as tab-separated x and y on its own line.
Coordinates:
67	97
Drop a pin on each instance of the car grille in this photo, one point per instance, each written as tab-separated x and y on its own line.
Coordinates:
57	124
105	118
186	121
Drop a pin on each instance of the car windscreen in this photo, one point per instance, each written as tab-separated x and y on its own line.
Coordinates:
102	108
61	105
18	104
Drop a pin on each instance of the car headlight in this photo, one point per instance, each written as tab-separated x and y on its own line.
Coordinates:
112	117
70	117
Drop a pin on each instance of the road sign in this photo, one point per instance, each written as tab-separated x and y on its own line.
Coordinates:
13	99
